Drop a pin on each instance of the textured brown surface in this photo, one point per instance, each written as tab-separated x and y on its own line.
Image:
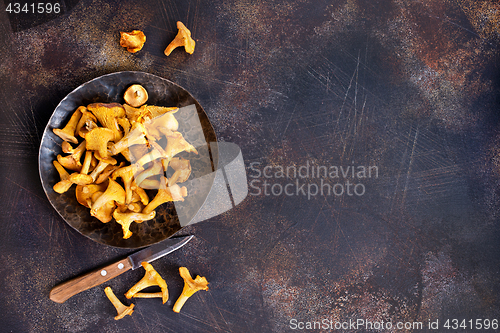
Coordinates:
409	86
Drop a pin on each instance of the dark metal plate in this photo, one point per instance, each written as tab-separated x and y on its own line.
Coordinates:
110	88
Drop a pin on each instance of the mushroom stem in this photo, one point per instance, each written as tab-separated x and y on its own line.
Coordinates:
87	119
64	184
98	169
83	178
68	132
127	175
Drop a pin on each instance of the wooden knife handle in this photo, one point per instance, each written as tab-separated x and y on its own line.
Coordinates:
65	290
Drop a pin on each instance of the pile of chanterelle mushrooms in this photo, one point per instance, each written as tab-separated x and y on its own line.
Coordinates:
145	139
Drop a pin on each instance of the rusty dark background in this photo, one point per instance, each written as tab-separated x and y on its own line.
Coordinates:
409	86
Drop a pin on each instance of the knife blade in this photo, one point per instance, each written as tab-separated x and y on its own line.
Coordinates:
65	290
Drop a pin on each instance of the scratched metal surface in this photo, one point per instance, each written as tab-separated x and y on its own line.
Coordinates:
411	87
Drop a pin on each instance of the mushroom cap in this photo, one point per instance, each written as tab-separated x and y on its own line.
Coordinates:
135	95
105	203
65	135
68	162
199	283
107	114
97	139
62	186
67	148
84	193
81	179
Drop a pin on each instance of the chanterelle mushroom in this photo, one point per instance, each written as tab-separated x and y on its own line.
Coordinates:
97	139
126	219
151	278
83	178
135	95
108	114
133	41
190	287
163	123
173	193
68	132
86	123
127	175
120	308
175	144
84	193
155	170
182	169
137	135
64	184
103	207
183	38
72	162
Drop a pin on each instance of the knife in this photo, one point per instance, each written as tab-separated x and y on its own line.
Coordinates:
65	290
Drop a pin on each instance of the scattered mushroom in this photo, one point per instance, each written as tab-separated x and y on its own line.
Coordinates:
190	287
68	132
151	278
135	95
183	38
133	41
120	308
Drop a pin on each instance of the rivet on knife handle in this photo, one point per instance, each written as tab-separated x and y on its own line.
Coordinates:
65	290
